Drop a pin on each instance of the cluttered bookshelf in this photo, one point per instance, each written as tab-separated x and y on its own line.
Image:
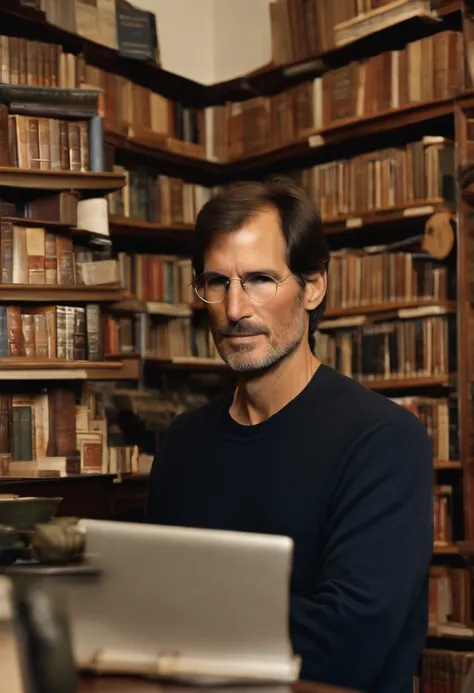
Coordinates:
105	160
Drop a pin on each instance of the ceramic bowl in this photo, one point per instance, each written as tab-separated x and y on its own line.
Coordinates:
24	512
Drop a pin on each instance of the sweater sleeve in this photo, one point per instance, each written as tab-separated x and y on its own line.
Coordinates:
157	482
378	549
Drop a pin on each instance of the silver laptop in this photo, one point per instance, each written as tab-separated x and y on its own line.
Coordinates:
186	604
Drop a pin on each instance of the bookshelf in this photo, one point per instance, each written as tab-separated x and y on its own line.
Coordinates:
412	148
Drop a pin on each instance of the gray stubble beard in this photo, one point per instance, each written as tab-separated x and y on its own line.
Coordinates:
273	357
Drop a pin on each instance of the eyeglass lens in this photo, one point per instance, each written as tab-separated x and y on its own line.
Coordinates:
213	288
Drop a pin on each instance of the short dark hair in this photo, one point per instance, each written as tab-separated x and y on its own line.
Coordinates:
231	207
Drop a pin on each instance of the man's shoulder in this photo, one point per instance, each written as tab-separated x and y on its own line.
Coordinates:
360	410
196	419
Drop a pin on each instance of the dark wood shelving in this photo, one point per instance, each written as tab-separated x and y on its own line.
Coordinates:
274	78
47	293
80	235
447	465
36	179
24	363
186	364
420	209
448	550
268	80
22	368
312	147
133	147
388	308
415	383
320	146
133	305
30	23
124	227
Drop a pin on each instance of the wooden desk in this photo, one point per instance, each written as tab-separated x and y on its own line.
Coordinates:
95	496
113	684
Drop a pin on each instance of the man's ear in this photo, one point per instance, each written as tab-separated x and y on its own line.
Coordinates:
315	290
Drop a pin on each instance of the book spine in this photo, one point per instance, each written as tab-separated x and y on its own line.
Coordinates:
96	144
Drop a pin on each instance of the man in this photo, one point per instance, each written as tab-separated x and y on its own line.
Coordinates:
300	450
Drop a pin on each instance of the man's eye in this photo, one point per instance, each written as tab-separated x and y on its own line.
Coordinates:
259	279
214	282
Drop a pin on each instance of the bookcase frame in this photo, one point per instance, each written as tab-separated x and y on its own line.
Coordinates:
312	148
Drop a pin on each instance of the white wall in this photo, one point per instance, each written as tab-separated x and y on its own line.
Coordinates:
185	36
211	40
242	40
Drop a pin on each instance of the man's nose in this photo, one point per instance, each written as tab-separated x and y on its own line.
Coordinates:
238	304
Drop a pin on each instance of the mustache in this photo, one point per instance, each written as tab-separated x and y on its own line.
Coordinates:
241	329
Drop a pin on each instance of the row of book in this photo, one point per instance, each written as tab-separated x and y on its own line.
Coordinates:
159	338
179	338
387	350
115	24
450	602
33	255
432	68
357	278
54	433
150	277
444	671
427	69
439	416
373	276
374	181
72	333
159	199
303	28
43	143
383	179
442	515
121	335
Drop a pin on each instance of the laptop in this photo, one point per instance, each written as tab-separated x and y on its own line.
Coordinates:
182	603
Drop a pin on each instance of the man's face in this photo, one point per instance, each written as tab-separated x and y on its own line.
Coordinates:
251	336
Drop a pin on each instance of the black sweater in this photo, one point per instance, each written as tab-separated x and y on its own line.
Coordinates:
347	474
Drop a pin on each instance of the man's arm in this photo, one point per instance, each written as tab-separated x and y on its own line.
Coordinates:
378	549
156	483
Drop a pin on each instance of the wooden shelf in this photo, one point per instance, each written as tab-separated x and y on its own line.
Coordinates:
36	179
407	383
172	310
388	309
311	147
441	465
123	226
32	23
129	368
319	144
22	368
419	210
23	363
47	293
448	630
186	364
80	235
449	550
275	78
163	156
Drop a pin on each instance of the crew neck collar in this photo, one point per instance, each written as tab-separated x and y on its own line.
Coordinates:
243	432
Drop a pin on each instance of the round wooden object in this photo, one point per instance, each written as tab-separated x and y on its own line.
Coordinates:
438	239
